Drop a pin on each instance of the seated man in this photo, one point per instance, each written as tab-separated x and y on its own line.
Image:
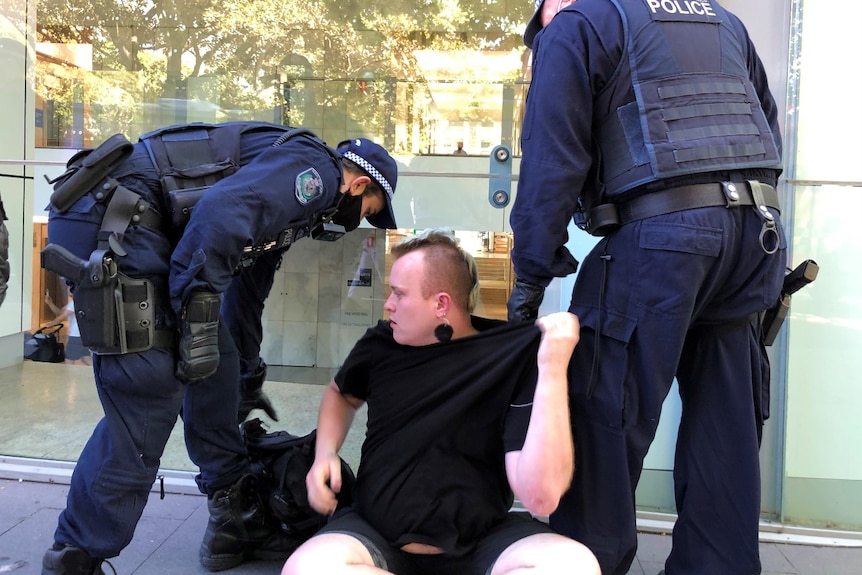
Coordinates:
462	412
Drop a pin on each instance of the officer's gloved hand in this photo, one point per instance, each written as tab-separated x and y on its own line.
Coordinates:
198	350
524	301
252	396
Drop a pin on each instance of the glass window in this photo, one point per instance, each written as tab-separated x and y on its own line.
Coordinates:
822	469
416	77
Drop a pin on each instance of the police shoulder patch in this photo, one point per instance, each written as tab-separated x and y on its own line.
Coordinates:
309	185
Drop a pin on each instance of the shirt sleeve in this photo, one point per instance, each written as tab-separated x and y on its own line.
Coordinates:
355	373
556	155
283	186
243	305
757	75
573	58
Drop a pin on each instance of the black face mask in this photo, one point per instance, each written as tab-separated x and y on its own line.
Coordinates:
348	211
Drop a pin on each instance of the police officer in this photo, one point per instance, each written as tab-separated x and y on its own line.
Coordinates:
650	122
149	251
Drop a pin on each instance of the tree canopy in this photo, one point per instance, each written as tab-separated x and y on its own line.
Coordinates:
252	57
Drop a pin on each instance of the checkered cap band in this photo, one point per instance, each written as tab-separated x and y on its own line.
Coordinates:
372	171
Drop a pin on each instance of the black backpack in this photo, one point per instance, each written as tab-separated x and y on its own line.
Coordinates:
279	463
45	345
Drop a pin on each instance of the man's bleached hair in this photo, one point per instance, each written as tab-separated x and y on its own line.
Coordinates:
448	268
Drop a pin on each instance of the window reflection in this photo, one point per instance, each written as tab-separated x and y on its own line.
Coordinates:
416	77
491	252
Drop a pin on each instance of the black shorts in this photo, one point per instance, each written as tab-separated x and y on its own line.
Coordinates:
479	561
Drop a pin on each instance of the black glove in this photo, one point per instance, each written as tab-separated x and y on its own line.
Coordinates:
199	354
524	301
252	396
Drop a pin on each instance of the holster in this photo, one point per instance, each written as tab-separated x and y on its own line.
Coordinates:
115	313
118	316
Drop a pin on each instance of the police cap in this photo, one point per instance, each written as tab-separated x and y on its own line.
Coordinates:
380	167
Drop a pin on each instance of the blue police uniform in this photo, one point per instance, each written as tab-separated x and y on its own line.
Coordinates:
275	195
654	120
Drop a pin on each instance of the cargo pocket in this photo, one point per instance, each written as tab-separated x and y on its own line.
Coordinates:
597	372
672	258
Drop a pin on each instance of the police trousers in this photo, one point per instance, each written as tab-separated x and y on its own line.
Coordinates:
117	468
676	295
141	396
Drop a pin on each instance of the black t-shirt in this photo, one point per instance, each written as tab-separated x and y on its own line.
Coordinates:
440	420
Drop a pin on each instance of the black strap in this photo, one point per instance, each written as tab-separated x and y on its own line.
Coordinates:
602	219
125	208
728	194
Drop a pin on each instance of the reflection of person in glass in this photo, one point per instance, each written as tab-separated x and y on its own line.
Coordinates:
74	349
654	126
463	412
266	186
5	270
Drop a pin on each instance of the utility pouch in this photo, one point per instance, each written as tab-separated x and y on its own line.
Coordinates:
181	203
86	169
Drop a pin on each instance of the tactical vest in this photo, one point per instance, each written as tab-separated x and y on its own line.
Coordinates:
192	157
695	111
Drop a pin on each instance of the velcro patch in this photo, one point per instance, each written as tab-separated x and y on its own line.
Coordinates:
309	185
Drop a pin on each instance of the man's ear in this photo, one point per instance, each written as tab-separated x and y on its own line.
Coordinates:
358	185
444	302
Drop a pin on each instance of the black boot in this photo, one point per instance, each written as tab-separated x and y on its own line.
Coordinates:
238	529
252	396
67	560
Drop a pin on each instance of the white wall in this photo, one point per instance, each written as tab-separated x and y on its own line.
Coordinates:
16	186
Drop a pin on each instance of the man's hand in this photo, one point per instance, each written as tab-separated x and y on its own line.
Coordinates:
524	301
560	335
198	349
323	483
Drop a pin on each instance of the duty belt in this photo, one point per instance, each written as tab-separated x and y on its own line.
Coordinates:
604	218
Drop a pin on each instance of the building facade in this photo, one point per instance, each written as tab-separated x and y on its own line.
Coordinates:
419	78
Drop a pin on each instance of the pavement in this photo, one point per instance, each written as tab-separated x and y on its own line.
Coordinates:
168	537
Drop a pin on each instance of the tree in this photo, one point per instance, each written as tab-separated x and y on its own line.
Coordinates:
335	60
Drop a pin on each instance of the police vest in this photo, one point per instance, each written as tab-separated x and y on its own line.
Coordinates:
197	155
695	111
192	157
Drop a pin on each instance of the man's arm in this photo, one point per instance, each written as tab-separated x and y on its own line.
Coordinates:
333	422
542	470
60	314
